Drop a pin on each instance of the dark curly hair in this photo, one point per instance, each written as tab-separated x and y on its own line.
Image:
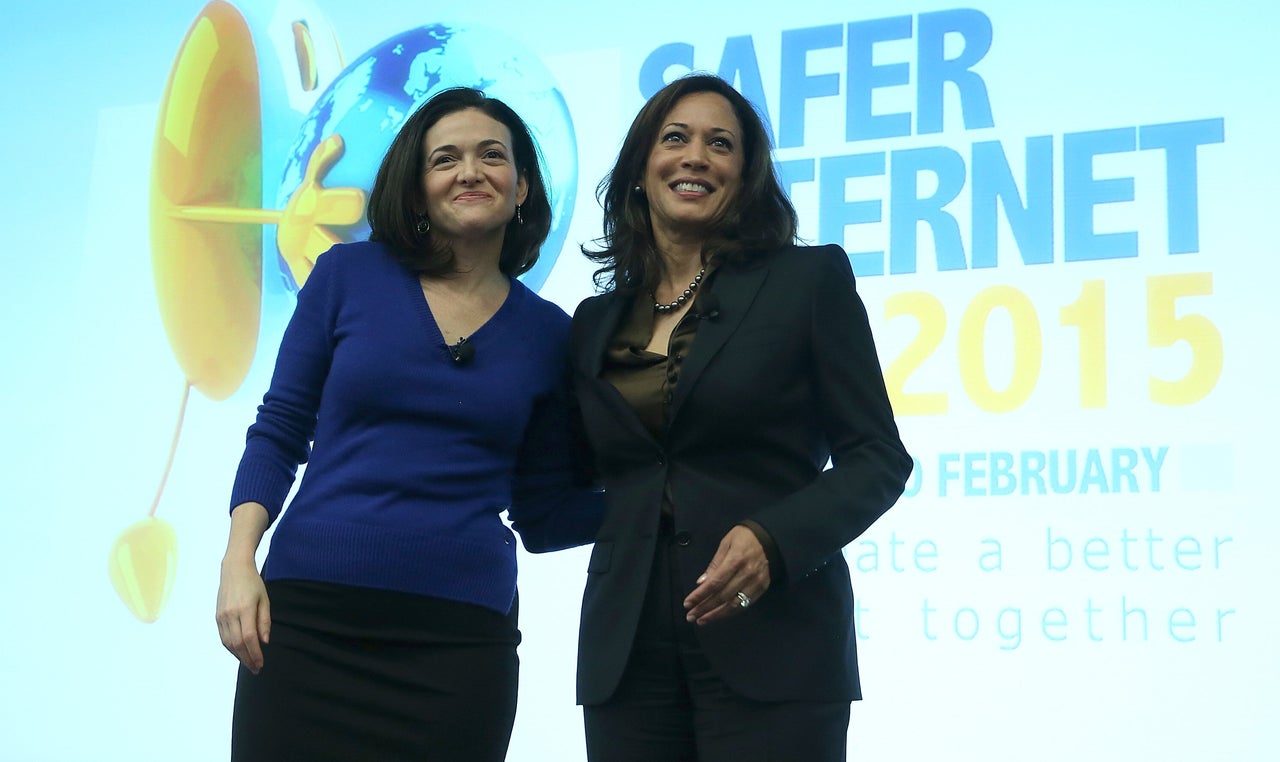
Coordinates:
398	188
760	219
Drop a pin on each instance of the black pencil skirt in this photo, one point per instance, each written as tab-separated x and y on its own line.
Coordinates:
353	673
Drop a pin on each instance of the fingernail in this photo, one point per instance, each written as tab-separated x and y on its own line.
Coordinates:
702	579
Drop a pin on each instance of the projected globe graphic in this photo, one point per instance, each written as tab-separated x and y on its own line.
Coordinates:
367	104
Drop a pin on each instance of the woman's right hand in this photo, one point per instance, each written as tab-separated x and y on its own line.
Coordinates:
244	612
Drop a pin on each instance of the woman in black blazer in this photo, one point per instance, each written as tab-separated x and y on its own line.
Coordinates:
716	376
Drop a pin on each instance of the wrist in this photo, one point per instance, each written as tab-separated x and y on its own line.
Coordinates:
239	558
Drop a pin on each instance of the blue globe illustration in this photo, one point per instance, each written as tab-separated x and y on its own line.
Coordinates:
371	99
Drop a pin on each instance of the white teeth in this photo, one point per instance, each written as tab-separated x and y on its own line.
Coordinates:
691	187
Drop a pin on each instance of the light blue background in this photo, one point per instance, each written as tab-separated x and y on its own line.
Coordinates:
90	390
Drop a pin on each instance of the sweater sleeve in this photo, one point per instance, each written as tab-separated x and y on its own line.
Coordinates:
553	505
280	439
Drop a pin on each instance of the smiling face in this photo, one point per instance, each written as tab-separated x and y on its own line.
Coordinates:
470	183
694	170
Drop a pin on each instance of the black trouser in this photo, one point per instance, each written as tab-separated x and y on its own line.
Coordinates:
671	706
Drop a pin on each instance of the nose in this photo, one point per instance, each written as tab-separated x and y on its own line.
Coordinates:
469	170
695	155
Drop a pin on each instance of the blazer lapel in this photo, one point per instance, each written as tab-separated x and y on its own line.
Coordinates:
612	309
735	289
603	325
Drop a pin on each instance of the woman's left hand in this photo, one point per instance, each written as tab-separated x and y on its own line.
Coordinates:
735	579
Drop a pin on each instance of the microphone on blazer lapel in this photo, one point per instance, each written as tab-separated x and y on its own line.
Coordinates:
708	307
462	352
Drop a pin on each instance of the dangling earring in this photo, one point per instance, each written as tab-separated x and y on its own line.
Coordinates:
423	226
637	189
519	219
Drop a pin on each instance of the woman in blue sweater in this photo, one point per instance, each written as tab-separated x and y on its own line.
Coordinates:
424	386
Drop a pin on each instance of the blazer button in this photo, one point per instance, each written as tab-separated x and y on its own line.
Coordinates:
683	538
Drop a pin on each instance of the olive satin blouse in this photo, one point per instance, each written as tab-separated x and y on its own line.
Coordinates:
646	380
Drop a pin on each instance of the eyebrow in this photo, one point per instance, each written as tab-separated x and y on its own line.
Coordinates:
682	125
481	144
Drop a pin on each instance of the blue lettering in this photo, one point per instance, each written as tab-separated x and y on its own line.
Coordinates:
794	171
907	209
1179	141
1064	483
935	69
653	72
1081	193
1155	462
945	472
797	84
1033	462
973	473
738	67
1003	481
993	183
1122	462
835	211
1094	474
864	77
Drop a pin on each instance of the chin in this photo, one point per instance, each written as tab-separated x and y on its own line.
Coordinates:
476	232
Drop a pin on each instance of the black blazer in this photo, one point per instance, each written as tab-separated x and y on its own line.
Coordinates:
785	376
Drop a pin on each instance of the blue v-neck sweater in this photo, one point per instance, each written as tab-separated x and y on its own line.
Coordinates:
415	456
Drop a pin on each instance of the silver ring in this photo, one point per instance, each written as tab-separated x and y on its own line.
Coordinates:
743	599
